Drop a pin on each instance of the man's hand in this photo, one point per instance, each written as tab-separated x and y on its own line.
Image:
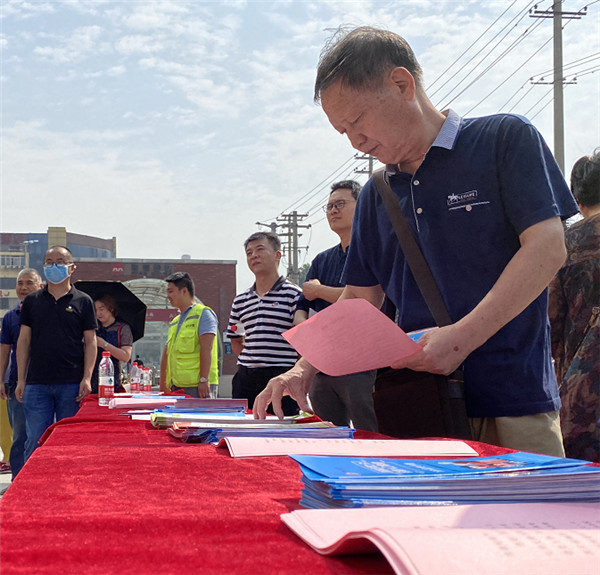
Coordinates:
203	389
85	388
3	394
443	352
19	390
310	289
295	382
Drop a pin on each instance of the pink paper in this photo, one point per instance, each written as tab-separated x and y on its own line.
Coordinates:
349	336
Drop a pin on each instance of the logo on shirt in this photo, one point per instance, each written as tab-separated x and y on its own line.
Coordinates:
70	308
454	199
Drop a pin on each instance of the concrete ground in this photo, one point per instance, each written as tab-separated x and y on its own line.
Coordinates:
224	391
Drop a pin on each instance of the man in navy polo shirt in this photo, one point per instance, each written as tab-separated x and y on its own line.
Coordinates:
347	398
485	199
56	350
28	281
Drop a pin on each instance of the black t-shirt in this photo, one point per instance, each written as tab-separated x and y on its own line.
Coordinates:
57	326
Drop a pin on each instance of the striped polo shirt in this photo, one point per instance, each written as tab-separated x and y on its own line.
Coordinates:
262	320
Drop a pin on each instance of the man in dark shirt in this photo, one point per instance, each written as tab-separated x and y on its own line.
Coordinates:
349	398
28	281
56	349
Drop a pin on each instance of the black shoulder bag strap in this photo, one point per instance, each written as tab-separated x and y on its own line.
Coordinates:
451	389
414	256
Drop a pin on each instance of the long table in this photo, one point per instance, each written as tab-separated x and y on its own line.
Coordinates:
107	495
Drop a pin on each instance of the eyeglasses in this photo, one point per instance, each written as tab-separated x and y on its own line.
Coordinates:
339	205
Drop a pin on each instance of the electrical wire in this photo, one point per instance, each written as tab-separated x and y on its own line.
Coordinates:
465	52
522	15
508	77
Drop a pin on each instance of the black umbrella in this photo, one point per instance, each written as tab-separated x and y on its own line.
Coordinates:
131	309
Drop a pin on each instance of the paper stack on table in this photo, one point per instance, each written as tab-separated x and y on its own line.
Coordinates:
487	539
268	446
331	482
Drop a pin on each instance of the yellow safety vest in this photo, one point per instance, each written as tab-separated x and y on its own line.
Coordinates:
183	352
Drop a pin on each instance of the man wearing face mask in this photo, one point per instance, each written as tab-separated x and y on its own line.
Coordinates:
56	349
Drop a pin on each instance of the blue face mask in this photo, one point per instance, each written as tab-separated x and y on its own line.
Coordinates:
56	273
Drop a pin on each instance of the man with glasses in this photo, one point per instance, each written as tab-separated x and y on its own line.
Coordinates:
347	398
189	362
56	349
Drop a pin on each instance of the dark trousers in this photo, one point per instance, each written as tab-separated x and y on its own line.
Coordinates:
248	382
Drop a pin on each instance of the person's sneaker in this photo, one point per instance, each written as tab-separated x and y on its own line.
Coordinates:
4	467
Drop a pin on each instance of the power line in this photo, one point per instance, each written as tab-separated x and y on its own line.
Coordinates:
311	193
498	59
508	77
523	14
471	46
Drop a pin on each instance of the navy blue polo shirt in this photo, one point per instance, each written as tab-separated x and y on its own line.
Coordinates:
483	182
9	336
57	326
327	267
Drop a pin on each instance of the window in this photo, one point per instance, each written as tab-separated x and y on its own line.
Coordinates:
8	261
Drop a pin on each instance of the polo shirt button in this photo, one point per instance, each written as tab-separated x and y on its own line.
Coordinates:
468	208
416	182
419	210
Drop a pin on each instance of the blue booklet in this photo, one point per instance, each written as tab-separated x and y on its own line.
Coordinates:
513	477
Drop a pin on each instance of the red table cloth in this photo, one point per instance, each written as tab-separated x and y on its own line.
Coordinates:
105	495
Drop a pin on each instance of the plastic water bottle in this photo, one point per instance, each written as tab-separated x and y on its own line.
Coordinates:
106	379
147	379
134	382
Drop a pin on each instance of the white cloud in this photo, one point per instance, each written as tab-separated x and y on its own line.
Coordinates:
196	118
76	48
116	71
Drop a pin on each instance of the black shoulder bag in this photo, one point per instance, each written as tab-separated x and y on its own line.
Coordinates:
412	403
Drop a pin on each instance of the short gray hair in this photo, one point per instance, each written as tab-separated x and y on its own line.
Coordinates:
29	272
361	58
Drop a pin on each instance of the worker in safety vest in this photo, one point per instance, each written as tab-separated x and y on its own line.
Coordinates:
189	362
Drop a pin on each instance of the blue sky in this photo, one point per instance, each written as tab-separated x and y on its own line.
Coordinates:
176	126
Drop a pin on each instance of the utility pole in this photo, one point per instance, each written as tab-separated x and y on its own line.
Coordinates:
369	171
291	223
557	16
272	225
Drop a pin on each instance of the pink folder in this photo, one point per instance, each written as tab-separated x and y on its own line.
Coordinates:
349	336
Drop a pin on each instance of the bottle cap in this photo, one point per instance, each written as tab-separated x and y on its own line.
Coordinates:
106	354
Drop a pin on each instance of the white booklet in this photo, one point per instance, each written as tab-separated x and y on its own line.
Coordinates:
266	446
487	539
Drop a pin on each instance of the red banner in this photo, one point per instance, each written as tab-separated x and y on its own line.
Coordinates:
163	315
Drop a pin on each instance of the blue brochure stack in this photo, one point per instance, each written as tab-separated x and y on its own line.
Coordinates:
331	482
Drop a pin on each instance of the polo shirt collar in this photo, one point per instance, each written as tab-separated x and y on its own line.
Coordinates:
70	292
446	137
275	286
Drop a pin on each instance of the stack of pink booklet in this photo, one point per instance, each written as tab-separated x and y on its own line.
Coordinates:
487	539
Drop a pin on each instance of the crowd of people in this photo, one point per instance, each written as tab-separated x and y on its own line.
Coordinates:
486	201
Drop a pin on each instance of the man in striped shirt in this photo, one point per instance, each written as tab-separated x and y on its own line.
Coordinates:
258	317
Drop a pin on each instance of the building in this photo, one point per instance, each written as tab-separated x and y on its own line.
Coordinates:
215	286
96	260
27	250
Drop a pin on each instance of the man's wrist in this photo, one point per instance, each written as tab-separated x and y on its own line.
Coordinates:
203	380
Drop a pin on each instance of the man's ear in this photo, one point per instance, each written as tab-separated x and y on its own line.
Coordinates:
404	80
